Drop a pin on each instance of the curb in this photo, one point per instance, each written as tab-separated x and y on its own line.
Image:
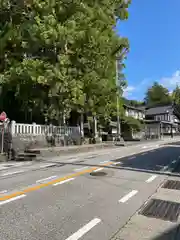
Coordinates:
65	152
176	165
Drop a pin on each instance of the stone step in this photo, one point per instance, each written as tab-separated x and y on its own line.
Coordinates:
27	154
32	151
25	157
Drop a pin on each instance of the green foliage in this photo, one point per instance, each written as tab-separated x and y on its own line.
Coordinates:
133	103
133	123
59	56
157	95
176	95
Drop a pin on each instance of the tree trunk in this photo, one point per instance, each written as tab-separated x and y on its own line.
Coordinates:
82	125
95	128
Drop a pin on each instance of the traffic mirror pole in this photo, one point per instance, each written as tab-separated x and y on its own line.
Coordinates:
2	140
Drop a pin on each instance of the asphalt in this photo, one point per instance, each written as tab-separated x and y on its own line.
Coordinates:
70	199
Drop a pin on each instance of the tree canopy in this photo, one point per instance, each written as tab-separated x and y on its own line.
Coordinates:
157	95
59	56
133	103
132	123
176	95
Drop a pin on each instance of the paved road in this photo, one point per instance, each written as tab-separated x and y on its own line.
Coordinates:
85	197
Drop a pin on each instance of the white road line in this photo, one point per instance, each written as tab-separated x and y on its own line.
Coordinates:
116	163
79	169
164	168
151	178
12	199
174	161
77	235
4	191
3	168
47	165
45	179
72	160
105	161
65	181
144	153
11	173
99	169
132	157
128	196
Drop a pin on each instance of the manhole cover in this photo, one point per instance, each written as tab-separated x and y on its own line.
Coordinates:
165	210
98	174
170	184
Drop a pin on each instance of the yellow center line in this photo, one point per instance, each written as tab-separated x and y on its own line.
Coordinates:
37	187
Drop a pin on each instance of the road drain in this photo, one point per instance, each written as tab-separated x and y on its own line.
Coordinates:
170	184
98	174
165	210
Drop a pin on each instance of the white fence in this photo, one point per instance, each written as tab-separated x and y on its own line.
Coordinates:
41	130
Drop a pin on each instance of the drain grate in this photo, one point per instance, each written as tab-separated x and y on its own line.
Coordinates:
98	174
165	210
170	184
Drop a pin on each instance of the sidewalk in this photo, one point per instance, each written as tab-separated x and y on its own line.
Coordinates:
67	150
11	164
158	219
49	155
113	152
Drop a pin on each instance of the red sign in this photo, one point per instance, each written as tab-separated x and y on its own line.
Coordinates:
3	116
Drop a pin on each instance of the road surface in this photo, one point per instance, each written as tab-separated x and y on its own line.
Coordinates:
87	197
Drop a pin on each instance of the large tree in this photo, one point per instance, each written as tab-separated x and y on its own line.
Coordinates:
58	56
176	95
134	103
157	95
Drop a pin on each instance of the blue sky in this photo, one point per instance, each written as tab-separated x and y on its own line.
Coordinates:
154	35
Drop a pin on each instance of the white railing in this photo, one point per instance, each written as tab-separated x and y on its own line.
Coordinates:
138	135
41	130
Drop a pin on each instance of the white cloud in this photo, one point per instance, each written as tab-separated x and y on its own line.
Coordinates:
128	91
172	81
169	82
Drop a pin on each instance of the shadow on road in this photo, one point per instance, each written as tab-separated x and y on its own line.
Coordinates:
163	160
155	160
171	234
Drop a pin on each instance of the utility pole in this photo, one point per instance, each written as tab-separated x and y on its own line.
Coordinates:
117	104
119	137
121	56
